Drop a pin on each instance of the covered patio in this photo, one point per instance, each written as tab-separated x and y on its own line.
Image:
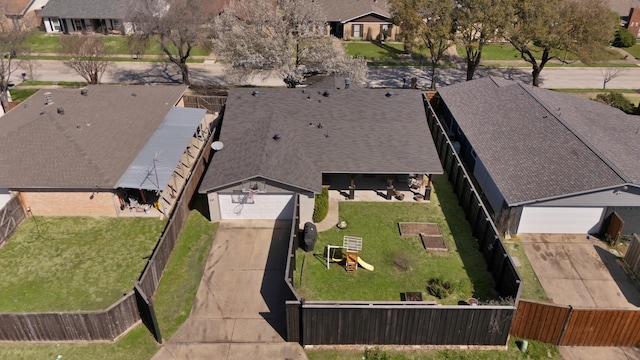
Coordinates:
378	187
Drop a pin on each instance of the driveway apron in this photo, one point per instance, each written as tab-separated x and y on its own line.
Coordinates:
239	308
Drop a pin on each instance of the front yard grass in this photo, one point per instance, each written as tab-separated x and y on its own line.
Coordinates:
506	51
383	247
173	302
74	263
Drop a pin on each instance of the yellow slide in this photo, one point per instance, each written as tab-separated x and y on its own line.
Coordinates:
364	265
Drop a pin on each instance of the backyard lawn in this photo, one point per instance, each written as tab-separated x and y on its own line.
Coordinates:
401	263
74	263
173	302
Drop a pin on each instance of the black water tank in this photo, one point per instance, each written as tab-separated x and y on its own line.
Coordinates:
310	236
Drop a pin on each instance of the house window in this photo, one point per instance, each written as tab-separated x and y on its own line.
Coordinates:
474	154
115	24
55	24
77	25
356	30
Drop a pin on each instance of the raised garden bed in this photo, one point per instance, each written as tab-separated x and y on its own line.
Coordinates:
433	242
429	233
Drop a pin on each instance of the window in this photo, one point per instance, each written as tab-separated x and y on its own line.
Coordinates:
356	30
256	186
474	154
55	24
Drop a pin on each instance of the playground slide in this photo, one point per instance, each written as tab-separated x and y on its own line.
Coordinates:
364	265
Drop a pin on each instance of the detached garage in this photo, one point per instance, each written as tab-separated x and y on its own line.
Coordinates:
247	205
545	162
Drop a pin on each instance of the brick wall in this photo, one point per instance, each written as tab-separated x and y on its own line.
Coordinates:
44	203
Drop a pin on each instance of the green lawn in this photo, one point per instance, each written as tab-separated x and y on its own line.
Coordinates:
535	350
377	224
531	287
180	281
386	53
74	263
41	42
22	94
508	52
634	50
172	304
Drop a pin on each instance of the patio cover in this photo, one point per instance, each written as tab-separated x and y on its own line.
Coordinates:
154	165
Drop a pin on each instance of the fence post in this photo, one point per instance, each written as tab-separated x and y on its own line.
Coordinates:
564	325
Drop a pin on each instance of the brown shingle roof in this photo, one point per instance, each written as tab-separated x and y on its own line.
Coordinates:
90	145
361	131
342	10
14	7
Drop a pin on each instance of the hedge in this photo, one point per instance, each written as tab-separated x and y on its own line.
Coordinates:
321	206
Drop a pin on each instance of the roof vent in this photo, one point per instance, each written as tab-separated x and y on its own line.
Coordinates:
61	110
304	91
325	93
48	98
255	93
319	126
276	137
134	94
347	83
84	92
308	97
389	94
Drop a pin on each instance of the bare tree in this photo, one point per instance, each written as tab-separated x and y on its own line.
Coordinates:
87	56
178	25
12	42
285	36
436	32
609	73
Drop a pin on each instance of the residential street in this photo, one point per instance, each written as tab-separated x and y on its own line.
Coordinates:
211	72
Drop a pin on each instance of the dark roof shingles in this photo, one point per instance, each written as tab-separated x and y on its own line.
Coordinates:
87	9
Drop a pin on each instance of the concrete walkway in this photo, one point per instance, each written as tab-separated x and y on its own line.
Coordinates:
239	309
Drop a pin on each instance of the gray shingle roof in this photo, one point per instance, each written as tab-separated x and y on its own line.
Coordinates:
87	9
362	131
91	144
342	10
527	147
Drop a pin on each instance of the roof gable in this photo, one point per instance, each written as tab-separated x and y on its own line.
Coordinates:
530	151
346	10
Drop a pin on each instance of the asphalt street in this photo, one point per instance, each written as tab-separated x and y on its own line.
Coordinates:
213	73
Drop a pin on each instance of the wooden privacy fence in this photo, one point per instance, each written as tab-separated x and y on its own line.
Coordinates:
567	326
632	257
213	104
397	323
11	216
499	263
111	323
65	326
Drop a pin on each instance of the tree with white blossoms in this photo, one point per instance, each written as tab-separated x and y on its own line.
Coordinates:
288	37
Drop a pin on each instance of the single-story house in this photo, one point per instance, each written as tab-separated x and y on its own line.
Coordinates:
100	16
546	162
101	151
20	14
359	19
276	144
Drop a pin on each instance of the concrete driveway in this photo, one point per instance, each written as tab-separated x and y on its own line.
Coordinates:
581	272
239	309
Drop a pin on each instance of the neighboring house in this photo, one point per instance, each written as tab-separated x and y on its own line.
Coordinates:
280	143
633	24
546	162
359	19
100	151
99	16
20	14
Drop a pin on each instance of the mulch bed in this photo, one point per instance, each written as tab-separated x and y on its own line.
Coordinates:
429	234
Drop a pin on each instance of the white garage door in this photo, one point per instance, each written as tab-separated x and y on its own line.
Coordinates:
261	206
560	220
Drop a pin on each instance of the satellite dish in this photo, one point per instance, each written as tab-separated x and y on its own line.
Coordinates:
217	145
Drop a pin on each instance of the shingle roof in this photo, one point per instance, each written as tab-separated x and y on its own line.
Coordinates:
14	7
536	143
342	10
87	9
361	131
90	145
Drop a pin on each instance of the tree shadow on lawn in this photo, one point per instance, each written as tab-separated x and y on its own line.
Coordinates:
393	52
474	263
